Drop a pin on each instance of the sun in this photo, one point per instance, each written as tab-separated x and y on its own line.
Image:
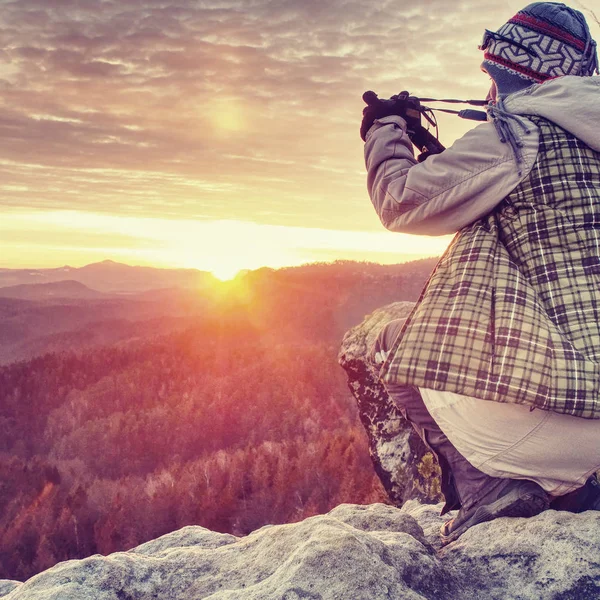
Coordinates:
227	118
225	272
224	248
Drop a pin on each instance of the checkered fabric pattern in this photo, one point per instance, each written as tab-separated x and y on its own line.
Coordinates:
511	313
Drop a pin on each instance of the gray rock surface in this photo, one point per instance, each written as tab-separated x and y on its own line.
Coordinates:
403	463
7	586
354	552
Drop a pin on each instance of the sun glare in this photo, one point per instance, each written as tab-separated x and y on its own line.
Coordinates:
225	273
221	247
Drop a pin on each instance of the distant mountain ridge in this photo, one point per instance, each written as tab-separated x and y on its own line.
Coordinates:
318	302
59	289
109	277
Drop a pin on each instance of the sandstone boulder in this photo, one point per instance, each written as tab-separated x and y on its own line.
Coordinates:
372	552
405	466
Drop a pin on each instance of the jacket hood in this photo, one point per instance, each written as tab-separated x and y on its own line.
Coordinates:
571	102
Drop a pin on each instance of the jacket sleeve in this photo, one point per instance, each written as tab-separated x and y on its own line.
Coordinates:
449	190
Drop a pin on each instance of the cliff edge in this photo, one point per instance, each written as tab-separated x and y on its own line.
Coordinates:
354	552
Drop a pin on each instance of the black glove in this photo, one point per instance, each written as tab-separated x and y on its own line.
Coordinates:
402	104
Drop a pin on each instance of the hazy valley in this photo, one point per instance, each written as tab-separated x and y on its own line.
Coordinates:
127	412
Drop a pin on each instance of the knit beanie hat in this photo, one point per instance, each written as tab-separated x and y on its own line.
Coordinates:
542	41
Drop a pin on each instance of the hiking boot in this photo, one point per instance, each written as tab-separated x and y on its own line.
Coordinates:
520	498
582	499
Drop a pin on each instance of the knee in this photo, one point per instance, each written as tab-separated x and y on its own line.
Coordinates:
385	341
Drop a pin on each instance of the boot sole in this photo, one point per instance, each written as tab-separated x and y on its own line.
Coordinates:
521	502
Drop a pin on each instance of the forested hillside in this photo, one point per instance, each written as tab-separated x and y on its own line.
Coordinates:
239	419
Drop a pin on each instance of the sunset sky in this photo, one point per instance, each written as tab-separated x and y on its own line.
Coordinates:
215	134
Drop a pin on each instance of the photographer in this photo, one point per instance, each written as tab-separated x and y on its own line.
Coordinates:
498	366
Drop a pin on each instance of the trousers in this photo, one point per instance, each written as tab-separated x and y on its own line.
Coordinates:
462	484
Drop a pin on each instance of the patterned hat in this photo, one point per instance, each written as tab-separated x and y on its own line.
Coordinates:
542	41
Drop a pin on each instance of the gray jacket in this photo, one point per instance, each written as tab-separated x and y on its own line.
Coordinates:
511	312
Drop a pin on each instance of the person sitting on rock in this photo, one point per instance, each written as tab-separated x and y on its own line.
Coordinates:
498	365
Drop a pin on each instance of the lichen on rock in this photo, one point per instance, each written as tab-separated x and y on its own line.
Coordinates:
404	464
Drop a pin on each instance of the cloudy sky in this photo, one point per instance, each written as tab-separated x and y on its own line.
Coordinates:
214	134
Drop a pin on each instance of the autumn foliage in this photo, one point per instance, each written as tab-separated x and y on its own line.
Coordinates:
241	420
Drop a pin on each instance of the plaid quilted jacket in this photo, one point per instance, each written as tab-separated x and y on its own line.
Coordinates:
512	311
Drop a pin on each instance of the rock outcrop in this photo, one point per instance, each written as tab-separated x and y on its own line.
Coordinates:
407	469
372	552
